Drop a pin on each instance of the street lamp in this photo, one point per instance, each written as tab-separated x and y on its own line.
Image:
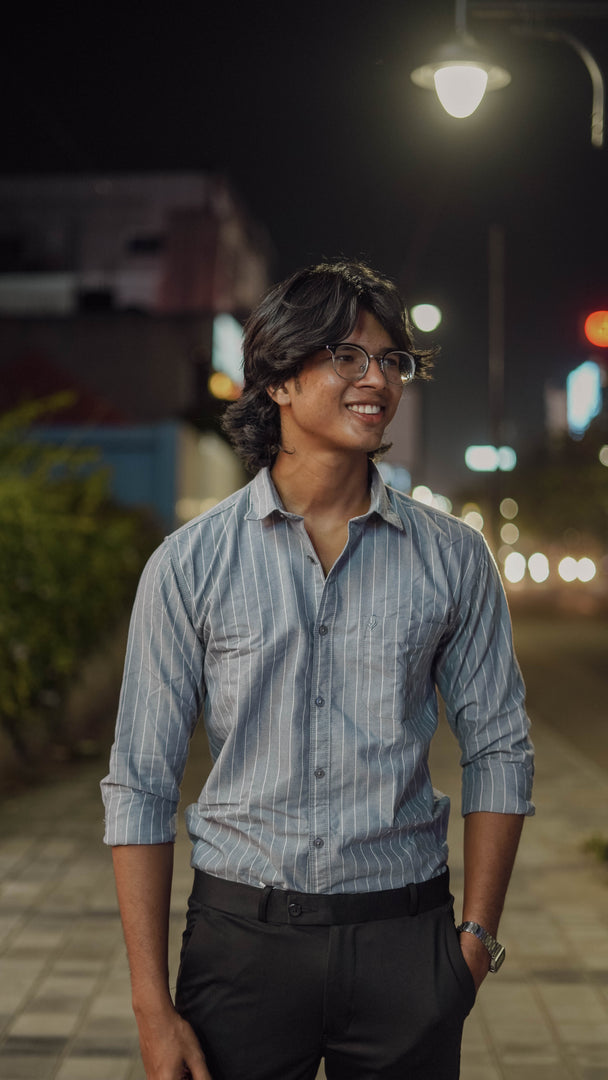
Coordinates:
460	72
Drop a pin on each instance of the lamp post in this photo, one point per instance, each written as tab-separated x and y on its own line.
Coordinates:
461	71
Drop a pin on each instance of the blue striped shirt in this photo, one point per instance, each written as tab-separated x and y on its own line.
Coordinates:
318	693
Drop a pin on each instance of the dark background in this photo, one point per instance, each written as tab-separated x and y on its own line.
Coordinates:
310	110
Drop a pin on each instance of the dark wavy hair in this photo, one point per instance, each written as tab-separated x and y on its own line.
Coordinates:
295	319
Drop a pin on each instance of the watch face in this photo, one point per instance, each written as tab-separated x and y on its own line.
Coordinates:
498	958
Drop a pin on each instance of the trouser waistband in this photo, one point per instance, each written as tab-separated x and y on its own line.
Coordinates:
281	906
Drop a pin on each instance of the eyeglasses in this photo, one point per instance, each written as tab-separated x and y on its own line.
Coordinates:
352	361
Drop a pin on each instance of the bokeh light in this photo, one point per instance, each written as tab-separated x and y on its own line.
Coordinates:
568	569
507	458
426	317
222	387
515	567
509	533
603	455
596	328
538	567
586	569
481	458
474	519
423	494
442	503
509	508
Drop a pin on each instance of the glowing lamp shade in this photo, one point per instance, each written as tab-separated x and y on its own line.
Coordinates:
596	328
460	72
460	88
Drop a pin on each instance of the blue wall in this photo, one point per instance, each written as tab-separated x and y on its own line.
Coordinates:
142	461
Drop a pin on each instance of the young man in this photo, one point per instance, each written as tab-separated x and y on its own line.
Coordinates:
312	615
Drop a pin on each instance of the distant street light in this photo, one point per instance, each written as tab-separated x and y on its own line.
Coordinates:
426	317
460	72
490	458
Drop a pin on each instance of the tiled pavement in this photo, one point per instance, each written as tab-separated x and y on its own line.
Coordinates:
64	993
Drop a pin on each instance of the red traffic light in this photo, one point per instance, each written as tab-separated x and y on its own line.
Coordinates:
596	328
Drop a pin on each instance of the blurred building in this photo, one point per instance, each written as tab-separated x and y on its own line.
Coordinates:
155	242
128	290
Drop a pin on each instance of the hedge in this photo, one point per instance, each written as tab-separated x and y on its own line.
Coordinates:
69	564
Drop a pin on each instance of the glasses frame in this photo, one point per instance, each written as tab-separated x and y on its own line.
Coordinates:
378	357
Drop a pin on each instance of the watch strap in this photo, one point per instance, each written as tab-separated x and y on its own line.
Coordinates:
496	950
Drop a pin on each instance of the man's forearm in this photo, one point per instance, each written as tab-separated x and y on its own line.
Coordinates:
143	882
490	847
169	1047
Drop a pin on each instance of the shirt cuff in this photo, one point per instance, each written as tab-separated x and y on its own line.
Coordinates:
137	817
500	787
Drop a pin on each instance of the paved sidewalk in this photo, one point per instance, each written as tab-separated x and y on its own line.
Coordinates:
64	993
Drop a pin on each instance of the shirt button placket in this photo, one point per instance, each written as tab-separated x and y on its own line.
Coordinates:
320	750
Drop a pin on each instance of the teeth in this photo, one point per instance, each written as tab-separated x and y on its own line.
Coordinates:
369	409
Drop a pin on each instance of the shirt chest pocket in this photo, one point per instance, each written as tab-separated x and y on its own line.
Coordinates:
396	656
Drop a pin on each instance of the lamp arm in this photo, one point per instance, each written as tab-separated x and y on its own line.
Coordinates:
597	80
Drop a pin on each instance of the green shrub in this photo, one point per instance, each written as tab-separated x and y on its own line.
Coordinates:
69	564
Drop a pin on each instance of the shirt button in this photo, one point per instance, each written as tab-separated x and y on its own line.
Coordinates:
318	841
319	773
322	631
320	701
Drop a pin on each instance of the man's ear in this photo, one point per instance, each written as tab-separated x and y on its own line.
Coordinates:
279	394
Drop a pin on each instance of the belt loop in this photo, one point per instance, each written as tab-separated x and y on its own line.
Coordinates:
413	899
263	904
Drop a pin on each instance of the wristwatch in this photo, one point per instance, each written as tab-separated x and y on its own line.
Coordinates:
496	950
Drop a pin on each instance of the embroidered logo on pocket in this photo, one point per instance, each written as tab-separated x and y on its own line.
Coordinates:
372	622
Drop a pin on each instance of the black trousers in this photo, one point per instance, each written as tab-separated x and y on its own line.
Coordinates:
271	991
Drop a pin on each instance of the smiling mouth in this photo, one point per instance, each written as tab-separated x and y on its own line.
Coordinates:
367	410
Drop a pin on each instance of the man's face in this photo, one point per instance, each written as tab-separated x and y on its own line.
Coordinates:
322	411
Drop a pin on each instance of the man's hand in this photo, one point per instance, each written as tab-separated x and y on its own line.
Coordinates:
169	1048
477	957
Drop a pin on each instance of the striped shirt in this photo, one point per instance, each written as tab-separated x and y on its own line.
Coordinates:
318	693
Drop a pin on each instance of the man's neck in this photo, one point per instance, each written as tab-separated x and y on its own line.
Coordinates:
334	488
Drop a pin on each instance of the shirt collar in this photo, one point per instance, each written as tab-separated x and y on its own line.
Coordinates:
380	500
264	500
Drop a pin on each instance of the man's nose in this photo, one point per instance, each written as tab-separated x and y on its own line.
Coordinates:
374	376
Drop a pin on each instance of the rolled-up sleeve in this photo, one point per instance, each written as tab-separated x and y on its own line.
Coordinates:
480	681
160	703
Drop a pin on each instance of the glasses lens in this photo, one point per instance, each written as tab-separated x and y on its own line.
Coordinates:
350	361
399	367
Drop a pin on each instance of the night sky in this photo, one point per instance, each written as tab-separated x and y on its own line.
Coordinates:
310	111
